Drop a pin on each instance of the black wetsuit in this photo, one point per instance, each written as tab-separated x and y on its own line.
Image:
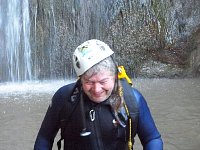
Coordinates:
105	133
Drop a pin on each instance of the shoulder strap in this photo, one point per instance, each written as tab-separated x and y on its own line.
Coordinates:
132	105
67	111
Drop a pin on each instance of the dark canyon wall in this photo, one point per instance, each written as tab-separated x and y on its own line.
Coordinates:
151	38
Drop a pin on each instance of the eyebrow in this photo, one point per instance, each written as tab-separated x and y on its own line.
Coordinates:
96	81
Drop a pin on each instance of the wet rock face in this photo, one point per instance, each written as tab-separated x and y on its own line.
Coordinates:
146	35
194	58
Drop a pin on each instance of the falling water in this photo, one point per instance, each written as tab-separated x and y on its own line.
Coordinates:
37	38
14	46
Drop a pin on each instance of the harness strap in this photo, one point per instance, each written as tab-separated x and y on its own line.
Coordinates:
67	111
63	124
132	111
59	143
62	127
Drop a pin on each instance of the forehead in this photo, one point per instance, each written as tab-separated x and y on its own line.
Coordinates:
101	75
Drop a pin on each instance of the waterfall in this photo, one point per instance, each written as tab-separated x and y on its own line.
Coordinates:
15	51
37	38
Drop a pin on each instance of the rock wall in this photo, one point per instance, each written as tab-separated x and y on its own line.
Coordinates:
151	38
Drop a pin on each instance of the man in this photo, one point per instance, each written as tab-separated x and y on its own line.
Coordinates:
99	111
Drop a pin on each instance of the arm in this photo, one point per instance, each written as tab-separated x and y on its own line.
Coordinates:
50	124
147	131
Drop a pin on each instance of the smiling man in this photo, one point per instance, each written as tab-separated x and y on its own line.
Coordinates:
98	87
99	111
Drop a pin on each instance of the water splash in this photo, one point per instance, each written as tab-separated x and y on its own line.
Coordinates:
32	87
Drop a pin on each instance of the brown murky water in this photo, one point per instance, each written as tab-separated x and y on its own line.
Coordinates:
174	103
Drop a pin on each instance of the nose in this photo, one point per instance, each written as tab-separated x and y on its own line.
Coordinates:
97	87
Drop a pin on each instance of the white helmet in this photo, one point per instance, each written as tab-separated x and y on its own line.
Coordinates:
88	54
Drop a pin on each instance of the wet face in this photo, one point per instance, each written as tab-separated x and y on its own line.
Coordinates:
99	86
